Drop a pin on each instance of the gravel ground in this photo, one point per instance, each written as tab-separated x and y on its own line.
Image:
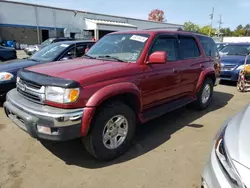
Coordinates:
169	151
21	54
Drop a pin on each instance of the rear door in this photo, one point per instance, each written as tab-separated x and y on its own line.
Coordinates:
211	52
192	63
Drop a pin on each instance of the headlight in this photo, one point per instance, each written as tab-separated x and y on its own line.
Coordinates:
62	95
5	76
226	162
241	67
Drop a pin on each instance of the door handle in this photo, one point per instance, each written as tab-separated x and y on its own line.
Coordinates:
202	66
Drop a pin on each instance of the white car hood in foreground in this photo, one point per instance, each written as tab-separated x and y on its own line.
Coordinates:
237	141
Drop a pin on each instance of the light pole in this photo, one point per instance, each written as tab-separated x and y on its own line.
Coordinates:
211	24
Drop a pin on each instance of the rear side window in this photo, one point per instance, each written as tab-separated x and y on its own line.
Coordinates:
188	48
209	46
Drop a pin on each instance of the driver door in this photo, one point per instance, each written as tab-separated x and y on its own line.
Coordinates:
161	82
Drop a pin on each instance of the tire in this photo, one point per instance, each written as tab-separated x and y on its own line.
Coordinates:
201	103
105	150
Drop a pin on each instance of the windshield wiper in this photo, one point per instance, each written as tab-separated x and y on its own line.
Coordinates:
88	56
111	57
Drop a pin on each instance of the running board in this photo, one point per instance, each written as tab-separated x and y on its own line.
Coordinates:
165	108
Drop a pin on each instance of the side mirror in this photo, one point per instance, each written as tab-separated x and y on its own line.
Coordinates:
158	57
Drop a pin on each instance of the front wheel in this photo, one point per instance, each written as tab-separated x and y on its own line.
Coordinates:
112	131
204	96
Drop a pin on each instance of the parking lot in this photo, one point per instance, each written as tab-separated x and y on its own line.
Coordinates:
168	152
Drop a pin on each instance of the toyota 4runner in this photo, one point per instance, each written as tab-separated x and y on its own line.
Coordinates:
125	78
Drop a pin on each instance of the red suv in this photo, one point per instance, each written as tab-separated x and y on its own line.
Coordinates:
125	78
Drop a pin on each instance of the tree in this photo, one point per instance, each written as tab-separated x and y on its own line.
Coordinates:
247	29
205	30
156	15
226	31
190	26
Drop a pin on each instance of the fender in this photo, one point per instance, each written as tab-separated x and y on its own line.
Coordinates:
111	90
206	72
102	95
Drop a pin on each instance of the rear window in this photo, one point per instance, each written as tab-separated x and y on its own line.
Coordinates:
188	48
209	46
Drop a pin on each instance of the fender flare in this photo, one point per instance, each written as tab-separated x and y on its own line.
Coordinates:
112	90
103	94
204	74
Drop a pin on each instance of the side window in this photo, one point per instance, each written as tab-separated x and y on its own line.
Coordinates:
80	50
168	44
188	48
209	46
76	51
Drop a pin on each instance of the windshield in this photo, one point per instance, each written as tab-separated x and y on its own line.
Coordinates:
47	42
123	47
235	49
50	52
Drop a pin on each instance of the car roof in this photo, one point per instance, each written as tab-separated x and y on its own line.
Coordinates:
153	32
239	43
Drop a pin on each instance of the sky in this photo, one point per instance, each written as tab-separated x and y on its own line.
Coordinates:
234	12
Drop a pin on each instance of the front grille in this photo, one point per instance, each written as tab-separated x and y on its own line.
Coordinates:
29	84
31	91
225	76
228	67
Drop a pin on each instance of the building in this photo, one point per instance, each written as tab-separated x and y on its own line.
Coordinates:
32	24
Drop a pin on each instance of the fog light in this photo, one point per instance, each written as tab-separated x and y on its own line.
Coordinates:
47	130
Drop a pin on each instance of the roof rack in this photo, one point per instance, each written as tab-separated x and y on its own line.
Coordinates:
166	28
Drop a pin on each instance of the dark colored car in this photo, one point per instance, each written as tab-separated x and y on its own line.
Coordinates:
35	48
232	60
124	79
54	52
7	53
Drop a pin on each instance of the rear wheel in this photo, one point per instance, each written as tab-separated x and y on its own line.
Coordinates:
112	131
204	96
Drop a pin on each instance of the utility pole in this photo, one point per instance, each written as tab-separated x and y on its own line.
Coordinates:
220	23
211	23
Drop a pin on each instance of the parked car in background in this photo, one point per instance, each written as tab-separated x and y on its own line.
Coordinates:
229	161
232	60
221	45
7	53
125	78
54	52
32	49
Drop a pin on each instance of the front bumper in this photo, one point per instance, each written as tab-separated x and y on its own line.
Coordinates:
64	124
229	75
213	175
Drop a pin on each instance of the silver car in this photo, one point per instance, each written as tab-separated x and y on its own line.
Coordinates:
229	161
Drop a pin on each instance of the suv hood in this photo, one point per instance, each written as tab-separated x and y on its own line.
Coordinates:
81	69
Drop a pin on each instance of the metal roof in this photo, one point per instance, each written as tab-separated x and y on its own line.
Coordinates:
105	22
